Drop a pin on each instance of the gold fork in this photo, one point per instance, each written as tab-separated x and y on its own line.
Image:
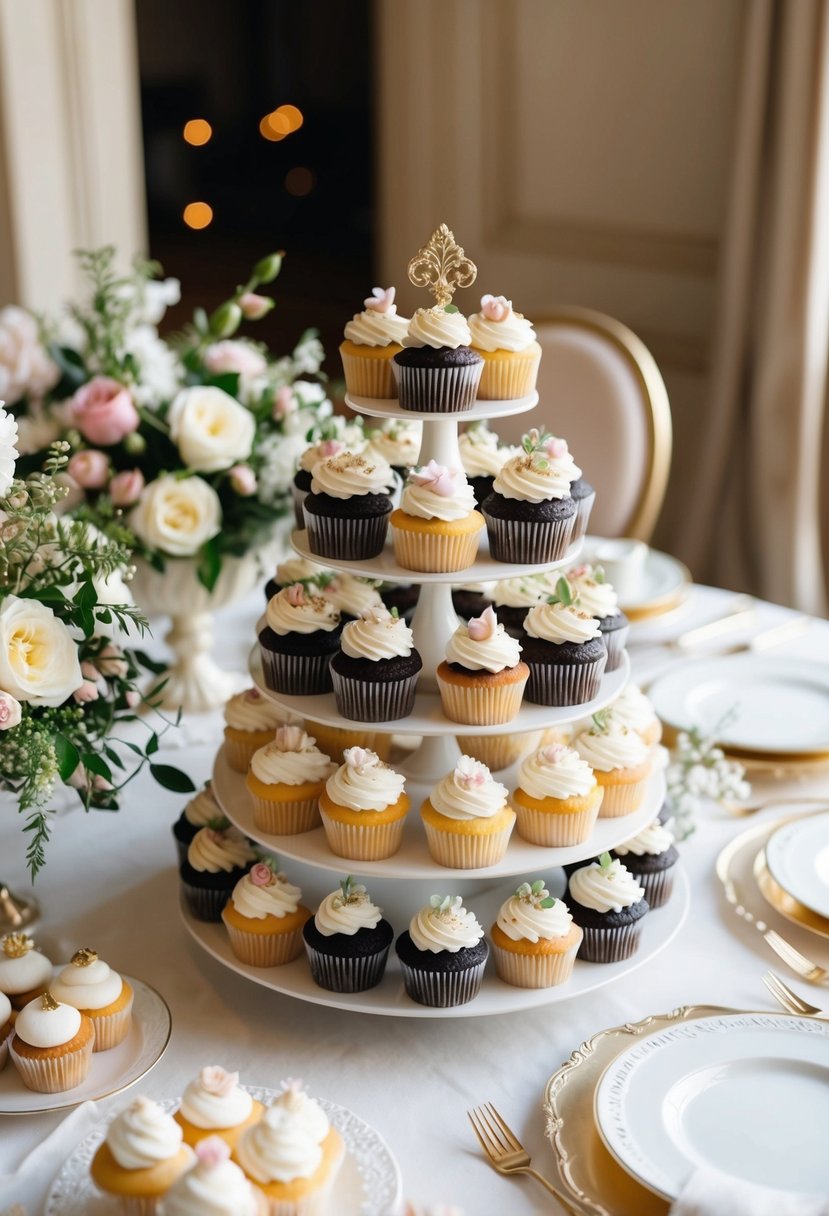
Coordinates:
799	963
505	1151
790	1000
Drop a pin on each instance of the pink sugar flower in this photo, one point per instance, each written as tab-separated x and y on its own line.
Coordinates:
553	753
290	738
495	308
212	1151
380	300
295	595
557	448
261	875
438	478
360	758
483	627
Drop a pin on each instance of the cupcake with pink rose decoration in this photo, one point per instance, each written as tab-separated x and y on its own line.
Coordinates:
372	338
302	632
215	1104
482	679
467	817
285	780
505	340
264	917
250	722
436	527
104	412
530	513
214	1186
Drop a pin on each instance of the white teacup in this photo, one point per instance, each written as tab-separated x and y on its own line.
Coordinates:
623	561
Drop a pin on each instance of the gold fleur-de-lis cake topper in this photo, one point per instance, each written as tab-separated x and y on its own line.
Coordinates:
84	957
16	945
441	266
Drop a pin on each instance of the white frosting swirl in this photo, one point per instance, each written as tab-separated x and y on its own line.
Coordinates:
556	772
560	623
352	595
364	782
377	635
616	747
325	448
422	502
468	792
340	914
351	474
87	987
142	1135
513	332
435	327
536	478
632	709
41	1027
522	917
449	927
397	441
652	840
5	1011
521	592
249	710
370	328
213	852
214	1099
482	454
24	972
599	599
605	888
211	1189
286	1142
290	760
289	611
493	653
279	898
298	569
202	808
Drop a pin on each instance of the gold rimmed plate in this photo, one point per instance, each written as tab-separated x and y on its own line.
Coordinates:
784	903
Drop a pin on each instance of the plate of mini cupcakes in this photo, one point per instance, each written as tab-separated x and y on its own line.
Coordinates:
74	1032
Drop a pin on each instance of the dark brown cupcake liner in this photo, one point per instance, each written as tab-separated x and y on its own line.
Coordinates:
345	538
527	541
583	508
610	945
296	675
658	884
441	989
373	701
564	683
614	642
438	390
205	903
347	974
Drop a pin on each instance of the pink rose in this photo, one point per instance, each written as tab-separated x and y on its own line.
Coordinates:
10	711
578	571
111	662
243	480
212	1151
125	488
284	403
556	448
103	411
218	1080
380	300
261	875
238	357
253	694
553	753
89	469
87	692
295	595
438	478
471	773
360	758
255	307
495	308
482	627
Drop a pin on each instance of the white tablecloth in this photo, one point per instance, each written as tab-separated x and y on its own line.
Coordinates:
111	883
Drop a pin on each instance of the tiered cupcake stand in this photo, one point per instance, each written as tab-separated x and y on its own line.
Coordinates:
402	883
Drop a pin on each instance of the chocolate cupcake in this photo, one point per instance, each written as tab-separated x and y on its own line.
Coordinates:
608	903
472	600
443	954
512	599
402	596
347	940
564	651
347	512
483	456
594	595
437	371
323	449
650	856
583	495
216	860
376	671
530	514
200	812
297	570
301	635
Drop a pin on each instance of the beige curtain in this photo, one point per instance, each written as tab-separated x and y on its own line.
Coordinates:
756	520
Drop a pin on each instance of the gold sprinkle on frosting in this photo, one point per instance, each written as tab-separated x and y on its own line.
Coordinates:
16	945
442	267
84	957
48	1002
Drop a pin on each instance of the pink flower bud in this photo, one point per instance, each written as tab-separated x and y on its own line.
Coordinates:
89	469
295	595
254	307
243	480
495	308
284	403
218	1080
553	753
330	447
482	627
101	784
111	662
557	448
125	488
89	671
87	692
438	478
133	698
10	711
103	411
380	300
290	739
212	1151
261	875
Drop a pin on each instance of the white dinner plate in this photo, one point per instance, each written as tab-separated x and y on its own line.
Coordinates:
744	1093
368	1184
110	1071
797	857
663	585
778	706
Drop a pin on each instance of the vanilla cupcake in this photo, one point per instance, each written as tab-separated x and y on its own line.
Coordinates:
530	513
214	1186
499	751
467	818
483	456
347	512
264	917
352	596
100	993
6	1028
214	1104
216	860
376	672
558	797
52	1045
302	632
293	1154
250	721
347	940
285	780
436	527
437	371
608	903
24	972
635	711
534	939
651	856
596	596
141	1157
200	812
364	807
482	679
621	762
372	338
564	651
398	441
506	341
443	953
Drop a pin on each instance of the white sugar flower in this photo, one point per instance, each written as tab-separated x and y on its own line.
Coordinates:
8	451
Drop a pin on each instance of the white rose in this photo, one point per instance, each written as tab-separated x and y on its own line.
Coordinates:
177	516
212	430
38	657
25	366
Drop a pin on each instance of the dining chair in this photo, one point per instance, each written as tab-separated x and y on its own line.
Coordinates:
601	389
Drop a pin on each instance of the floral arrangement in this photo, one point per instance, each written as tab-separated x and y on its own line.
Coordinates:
67	687
700	771
196	439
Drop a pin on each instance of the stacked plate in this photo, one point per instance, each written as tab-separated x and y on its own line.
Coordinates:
638	1109
792	871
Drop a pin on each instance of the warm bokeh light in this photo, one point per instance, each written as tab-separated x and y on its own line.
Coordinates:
281	122
197	131
198	215
291	115
300	181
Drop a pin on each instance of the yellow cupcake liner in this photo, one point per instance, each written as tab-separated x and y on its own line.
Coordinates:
113	1028
511	376
334	739
367	843
285	818
137	1205
481	705
534	970
239	753
369	377
462	852
315	1204
55	1074
554	831
622	799
265	949
499	751
434	554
